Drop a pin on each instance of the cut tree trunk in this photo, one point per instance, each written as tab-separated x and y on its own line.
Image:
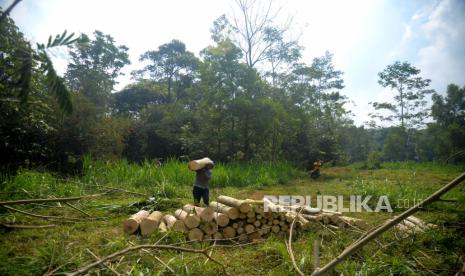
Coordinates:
218	236
254	236
231	212
149	224
242	205
190	220
209	228
162	227
195	234
205	214
221	219
229	232
132	223
175	224
249	228
275	228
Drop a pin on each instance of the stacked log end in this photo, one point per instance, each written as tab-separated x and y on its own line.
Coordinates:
149	224
131	225
190	220
244	220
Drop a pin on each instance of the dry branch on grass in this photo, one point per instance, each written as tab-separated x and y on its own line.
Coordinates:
42	200
51	218
26	226
110	257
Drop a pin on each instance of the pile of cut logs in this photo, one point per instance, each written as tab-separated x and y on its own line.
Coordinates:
413	225
229	218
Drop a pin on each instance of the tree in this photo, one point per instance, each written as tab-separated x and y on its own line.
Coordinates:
30	90
252	30
133	98
280	52
95	66
449	113
170	64
410	103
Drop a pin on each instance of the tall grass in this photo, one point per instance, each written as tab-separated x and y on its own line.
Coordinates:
170	179
416	166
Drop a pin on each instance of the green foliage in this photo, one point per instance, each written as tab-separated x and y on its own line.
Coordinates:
65	247
449	113
410	107
94	67
171	63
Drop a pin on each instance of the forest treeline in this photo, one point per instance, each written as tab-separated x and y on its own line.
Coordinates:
248	96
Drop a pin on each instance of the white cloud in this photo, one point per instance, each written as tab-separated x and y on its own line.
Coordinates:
443	58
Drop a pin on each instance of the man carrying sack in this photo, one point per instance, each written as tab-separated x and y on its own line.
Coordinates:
203	168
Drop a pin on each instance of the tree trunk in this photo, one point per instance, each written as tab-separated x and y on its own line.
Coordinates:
149	224
221	219
242	205
218	236
229	232
205	214
209	228
195	234
174	224
231	212
190	220
162	227
132	224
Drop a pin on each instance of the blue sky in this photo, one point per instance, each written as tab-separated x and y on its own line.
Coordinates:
364	36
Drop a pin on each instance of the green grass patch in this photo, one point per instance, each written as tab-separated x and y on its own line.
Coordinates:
33	252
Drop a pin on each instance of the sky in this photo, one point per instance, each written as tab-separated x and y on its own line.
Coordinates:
363	35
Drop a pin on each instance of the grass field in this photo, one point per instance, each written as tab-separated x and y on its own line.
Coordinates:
66	247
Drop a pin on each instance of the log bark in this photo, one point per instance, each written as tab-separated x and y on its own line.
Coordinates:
190	220
221	219
195	234
231	212
132	223
205	214
242	205
150	223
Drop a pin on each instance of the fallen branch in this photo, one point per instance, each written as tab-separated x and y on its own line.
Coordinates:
38	200
289	248
24	226
77	209
387	225
144	246
55	218
98	259
156	258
